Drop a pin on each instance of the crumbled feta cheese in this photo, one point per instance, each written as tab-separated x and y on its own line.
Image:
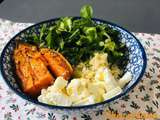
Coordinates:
95	84
115	91
125	79
110	81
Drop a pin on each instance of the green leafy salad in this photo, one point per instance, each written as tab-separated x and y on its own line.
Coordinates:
79	38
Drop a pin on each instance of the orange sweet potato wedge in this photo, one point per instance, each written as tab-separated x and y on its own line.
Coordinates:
24	73
57	63
42	76
31	69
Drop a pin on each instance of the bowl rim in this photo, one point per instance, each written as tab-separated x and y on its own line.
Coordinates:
74	107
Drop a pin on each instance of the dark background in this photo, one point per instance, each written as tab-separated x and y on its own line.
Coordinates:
135	15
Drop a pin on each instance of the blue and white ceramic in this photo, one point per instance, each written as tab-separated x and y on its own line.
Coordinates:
136	65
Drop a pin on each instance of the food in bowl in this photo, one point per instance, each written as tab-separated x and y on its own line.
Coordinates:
91	84
32	67
73	62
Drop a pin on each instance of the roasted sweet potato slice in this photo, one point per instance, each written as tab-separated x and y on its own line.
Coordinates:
23	71
31	69
57	63
42	76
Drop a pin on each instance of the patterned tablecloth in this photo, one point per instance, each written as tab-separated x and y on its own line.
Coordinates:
142	102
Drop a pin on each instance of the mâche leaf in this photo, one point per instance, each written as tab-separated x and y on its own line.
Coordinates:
42	32
90	32
86	11
49	40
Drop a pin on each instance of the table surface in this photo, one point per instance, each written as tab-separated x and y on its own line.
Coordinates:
144	98
135	15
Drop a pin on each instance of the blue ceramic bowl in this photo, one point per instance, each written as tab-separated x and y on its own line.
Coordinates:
136	65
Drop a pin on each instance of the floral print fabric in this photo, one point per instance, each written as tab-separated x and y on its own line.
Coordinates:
143	100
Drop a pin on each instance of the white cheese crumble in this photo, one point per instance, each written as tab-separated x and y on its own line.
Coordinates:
96	84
